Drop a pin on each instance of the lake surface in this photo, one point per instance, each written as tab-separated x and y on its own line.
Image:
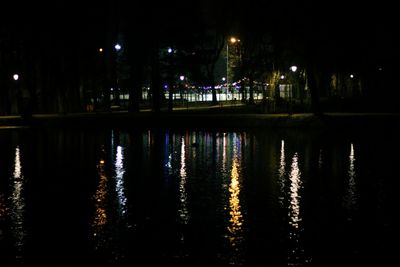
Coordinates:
198	197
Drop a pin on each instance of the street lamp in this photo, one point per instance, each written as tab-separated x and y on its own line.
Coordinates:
232	40
15	77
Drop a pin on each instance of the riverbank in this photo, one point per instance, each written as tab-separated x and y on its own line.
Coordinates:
207	119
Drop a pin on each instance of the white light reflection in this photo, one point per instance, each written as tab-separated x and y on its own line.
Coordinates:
296	254
183	211
224	152
18	205
235	227
295	185
350	199
119	177
282	172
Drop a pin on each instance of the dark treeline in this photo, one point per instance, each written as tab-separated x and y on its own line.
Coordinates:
65	57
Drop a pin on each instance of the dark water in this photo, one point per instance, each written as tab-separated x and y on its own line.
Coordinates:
198	198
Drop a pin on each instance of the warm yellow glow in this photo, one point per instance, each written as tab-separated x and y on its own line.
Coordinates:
100	49
100	197
236	217
183	211
234	40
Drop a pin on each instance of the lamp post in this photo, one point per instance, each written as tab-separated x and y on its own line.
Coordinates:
232	40
293	81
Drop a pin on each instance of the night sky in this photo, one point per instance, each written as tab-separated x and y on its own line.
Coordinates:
352	27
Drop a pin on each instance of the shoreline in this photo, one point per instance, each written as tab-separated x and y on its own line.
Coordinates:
206	120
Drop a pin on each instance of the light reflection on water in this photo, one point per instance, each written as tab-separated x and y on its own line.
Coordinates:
235	226
219	199
350	198
295	186
224	152
282	173
18	205
183	210
110	219
119	179
296	251
101	216
292	196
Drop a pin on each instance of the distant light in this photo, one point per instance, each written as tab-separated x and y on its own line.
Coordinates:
234	40
224	79
380	69
293	68
15	77
181	77
351	76
117	47
282	77
100	50
165	86
112	89
169	50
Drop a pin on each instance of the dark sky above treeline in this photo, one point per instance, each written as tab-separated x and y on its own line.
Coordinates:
371	24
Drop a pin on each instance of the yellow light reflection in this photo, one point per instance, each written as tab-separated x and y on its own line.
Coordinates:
18	205
100	197
236	218
119	177
295	185
183	211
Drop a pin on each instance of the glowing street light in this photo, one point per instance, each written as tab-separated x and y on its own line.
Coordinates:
351	76
181	77
101	50
169	50
232	40
15	77
293	68
117	47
